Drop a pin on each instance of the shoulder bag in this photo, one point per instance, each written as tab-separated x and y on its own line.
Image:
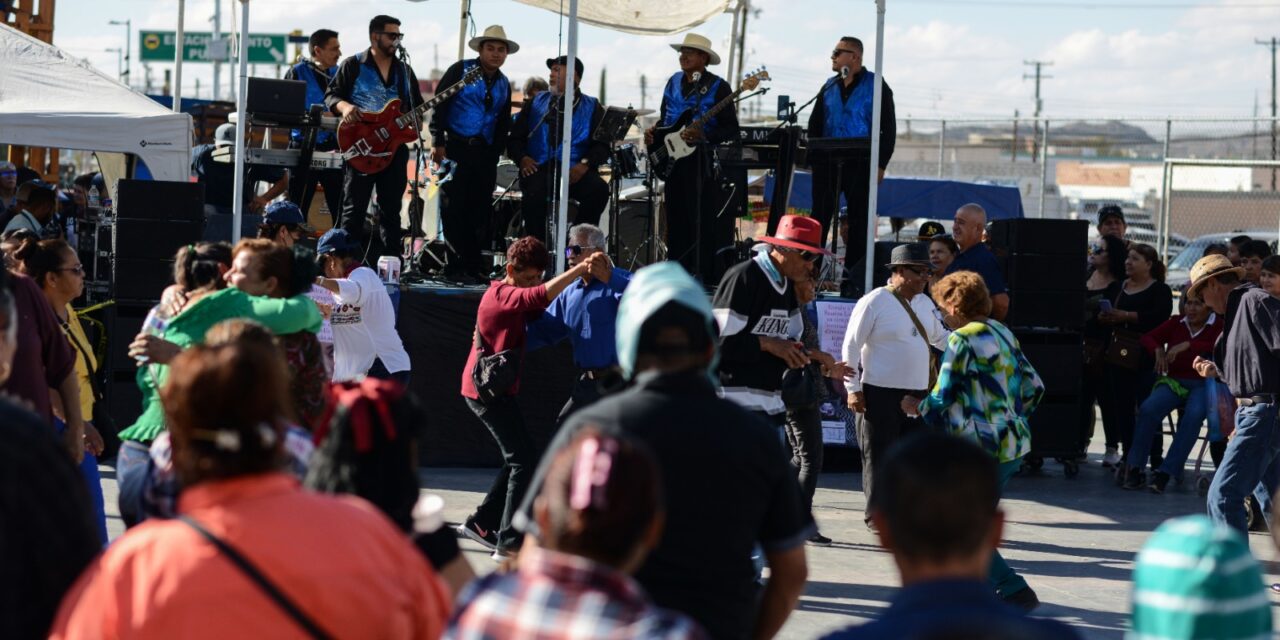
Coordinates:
1125	350
101	418
270	589
924	335
493	374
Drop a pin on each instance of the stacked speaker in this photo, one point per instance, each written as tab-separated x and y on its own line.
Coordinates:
152	221
1044	265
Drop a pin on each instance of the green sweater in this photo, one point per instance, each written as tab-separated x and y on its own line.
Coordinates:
280	315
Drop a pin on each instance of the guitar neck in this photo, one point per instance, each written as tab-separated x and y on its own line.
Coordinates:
716	108
445	95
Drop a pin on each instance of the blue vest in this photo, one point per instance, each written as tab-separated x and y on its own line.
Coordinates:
850	119
307	73
468	116
699	101
369	94
538	143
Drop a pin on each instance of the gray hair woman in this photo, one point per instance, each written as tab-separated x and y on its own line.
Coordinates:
985	391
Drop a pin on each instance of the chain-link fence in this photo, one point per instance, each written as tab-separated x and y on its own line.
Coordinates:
1068	168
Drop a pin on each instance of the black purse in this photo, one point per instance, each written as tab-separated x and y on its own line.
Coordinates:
494	374
802	387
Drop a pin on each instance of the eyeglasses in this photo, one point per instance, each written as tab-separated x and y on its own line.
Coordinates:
78	269
1097	250
575	250
836	53
807	256
394	35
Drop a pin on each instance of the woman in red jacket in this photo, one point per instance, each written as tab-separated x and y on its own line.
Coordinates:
1175	344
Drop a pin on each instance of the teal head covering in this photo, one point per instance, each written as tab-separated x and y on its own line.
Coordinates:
1197	579
651	289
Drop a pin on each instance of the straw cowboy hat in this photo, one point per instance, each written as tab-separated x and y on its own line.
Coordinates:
1208	267
493	32
701	43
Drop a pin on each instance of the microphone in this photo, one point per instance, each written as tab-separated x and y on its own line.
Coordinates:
404	55
697	75
844	73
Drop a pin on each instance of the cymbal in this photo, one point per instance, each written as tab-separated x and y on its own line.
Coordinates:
645	112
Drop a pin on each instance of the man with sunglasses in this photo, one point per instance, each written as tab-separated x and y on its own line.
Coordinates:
887	344
843	110
759	318
471	129
586	313
367	81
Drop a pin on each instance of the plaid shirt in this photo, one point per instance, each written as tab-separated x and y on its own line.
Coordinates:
557	596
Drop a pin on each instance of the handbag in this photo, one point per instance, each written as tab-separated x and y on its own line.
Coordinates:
933	356
494	374
101	418
270	589
1125	350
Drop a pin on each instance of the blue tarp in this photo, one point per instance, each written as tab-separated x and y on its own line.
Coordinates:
918	198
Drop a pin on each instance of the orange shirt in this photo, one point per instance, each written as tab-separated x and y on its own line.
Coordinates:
339	559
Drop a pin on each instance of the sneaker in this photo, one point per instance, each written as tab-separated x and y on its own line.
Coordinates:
499	555
1024	599
487	538
819	540
1134	478
1159	480
1112	457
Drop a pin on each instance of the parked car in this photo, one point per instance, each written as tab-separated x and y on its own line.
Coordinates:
1180	266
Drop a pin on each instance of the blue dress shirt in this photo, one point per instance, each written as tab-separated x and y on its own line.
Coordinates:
586	314
981	261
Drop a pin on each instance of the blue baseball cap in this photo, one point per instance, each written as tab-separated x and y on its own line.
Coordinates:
284	212
334	240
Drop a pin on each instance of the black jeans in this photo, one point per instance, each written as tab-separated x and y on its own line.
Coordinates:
804	438
854	177
301	192
591	192
1094	391
586	391
519	459
882	425
695	231
390	184
379	371
466	205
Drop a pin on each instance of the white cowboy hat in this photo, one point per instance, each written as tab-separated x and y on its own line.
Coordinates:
701	43
493	32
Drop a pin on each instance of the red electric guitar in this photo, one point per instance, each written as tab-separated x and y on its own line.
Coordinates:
369	144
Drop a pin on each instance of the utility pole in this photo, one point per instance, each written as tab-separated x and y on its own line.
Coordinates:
644	89
742	41
1013	150
1273	43
603	76
128	46
217	35
1039	65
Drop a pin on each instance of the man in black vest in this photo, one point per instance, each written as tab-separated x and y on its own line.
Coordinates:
471	129
318	72
693	197
535	143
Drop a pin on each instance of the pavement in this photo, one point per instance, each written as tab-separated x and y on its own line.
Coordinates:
1074	539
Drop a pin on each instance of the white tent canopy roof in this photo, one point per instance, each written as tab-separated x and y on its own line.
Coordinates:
50	99
645	17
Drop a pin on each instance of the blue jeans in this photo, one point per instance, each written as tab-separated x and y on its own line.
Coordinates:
1249	454
131	470
1159	404
92	482
1003	578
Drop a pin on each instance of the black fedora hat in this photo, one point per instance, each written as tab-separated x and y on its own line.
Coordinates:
915	254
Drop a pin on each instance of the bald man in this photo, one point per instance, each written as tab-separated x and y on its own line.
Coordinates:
970	225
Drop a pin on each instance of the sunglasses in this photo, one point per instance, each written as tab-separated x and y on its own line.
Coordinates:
575	250
836	53
394	35
8	174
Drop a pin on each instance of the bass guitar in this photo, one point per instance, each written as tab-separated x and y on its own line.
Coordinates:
668	143
369	143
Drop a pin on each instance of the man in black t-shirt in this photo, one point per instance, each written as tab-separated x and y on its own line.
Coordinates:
214	166
759	317
729	486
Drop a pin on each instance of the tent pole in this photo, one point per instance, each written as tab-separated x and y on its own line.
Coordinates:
570	68
242	125
733	40
873	190
177	66
462	28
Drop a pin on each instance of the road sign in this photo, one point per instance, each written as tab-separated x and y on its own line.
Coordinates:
199	46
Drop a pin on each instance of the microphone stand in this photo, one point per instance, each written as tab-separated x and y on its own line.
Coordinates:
416	204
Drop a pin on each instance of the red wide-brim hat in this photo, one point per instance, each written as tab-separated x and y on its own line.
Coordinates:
798	232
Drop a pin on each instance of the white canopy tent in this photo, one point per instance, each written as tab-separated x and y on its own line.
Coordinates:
645	17
49	98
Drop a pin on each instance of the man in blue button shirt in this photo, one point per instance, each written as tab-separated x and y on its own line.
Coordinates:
976	256
587	314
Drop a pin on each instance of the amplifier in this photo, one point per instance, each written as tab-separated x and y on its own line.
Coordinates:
1043	271
1062	310
1047	237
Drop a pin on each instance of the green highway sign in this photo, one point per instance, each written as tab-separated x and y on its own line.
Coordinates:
199	46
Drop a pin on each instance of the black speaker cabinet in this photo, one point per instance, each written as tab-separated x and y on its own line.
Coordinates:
159	200
1058	358
1044	271
1046	308
154	239
142	279
1033	235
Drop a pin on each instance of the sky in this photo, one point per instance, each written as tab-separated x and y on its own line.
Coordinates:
943	58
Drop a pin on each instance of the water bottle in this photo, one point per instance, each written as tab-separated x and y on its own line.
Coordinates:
106	203
155	324
95	199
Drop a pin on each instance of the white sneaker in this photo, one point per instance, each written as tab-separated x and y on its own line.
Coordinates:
1112	457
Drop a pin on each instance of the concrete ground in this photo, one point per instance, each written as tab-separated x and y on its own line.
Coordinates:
1074	539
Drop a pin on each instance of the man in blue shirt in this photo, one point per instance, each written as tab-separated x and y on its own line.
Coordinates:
970	224
587	314
937	512
317	72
